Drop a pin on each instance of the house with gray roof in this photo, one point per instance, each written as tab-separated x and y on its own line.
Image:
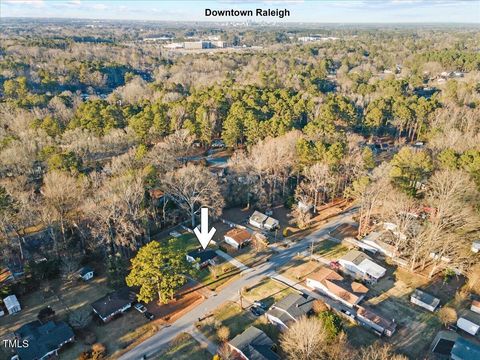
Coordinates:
465	350
289	309
425	300
253	344
44	340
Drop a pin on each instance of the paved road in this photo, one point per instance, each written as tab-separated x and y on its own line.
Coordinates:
161	339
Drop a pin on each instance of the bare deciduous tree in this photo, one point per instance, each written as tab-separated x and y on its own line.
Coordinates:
192	187
305	340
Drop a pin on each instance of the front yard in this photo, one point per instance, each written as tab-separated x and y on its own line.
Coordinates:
268	291
184	347
231	315
330	250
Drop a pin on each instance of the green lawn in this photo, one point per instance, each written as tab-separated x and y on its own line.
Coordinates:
227	272
184	243
268	291
330	250
237	320
184	347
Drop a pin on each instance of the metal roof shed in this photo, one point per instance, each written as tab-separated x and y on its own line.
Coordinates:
12	304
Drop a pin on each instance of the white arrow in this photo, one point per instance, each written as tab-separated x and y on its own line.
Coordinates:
204	236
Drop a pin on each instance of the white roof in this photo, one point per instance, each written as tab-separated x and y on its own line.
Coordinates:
11	302
371	268
476	245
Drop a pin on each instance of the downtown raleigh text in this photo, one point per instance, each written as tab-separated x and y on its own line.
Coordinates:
249	13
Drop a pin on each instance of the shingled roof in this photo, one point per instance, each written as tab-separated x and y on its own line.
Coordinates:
254	344
42	338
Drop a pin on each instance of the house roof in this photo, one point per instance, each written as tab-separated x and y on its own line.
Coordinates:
364	263
471	316
425	298
11	301
271	221
292	306
239	235
85	270
111	303
42	338
202	255
254	344
376	318
337	285
466	350
257	216
5	275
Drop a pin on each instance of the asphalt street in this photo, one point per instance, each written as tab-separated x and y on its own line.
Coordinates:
160	340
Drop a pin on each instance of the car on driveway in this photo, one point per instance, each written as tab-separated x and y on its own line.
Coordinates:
257	311
140	308
149	315
261	305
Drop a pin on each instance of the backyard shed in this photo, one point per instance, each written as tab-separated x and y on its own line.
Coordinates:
469	322
425	300
475	306
12	304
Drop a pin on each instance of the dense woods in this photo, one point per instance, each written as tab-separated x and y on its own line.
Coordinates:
105	138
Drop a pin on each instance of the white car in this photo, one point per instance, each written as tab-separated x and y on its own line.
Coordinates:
140	308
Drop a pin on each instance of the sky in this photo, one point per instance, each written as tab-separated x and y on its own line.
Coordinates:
320	11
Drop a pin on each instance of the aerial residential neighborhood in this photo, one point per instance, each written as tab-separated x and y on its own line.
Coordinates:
226	180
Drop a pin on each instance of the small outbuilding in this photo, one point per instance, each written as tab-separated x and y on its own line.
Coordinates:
469	322
12	304
425	300
475	306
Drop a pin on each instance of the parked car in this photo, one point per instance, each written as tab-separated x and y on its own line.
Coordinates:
260	305
257	311
140	308
149	315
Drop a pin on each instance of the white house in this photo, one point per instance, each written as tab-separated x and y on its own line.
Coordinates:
257	219
86	273
362	265
271	223
425	300
335	286
263	221
469	322
238	238
12	304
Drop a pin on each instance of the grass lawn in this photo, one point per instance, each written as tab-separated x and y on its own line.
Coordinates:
116	335
268	291
227	272
299	268
184	347
330	250
237	320
60	296
183	243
